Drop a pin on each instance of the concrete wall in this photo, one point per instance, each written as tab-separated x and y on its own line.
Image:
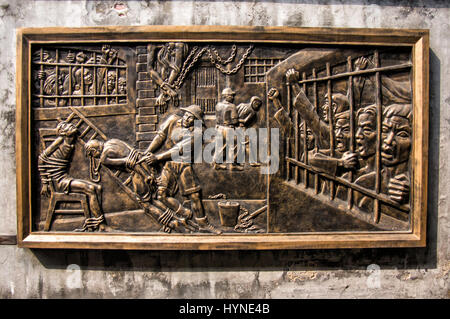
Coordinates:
403	273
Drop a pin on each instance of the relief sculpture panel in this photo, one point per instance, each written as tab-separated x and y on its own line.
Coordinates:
185	142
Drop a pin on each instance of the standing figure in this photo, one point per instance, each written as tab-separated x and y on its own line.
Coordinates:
175	134
54	165
247	111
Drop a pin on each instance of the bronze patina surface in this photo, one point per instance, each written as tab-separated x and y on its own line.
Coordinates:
115	151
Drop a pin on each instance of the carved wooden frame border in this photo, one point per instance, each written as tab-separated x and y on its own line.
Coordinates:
418	40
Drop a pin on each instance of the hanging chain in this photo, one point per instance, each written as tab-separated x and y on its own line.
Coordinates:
185	64
236	68
219	59
185	70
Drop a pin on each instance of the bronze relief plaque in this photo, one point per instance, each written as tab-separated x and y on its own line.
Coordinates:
221	138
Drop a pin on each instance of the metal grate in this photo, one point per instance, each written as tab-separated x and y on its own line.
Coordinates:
255	69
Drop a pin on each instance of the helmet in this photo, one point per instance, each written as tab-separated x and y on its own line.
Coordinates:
194	110
228	91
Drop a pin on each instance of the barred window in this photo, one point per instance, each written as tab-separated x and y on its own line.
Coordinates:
255	69
208	105
205	77
72	77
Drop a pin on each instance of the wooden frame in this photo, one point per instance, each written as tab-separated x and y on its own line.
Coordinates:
417	40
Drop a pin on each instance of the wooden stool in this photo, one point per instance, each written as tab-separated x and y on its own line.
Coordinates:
62	197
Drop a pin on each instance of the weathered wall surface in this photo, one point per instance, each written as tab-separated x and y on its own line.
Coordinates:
395	273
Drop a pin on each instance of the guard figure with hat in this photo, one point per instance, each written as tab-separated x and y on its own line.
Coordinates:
172	136
227	118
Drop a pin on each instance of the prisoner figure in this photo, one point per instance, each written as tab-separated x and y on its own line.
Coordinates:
122	87
366	141
54	165
395	151
164	65
247	111
117	154
323	160
286	124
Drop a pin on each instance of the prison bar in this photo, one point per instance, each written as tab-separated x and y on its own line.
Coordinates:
70	83
80	64
305	137
378	102
41	81
352	127
296	144
82	85
356	187
95	79
316	142
56	79
80	96
288	140
106	84
330	122
117	80
359	72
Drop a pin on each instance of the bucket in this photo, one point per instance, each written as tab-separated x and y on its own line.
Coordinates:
228	212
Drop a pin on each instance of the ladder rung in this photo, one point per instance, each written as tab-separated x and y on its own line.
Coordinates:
69	211
70	117
127	181
85	132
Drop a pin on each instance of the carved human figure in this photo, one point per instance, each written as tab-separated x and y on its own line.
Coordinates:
122	85
227	118
110	86
366	138
342	160
54	164
395	150
366	141
55	85
339	103
247	111
86	86
117	154
173	135
122	89
323	160
286	124
310	140
164	65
